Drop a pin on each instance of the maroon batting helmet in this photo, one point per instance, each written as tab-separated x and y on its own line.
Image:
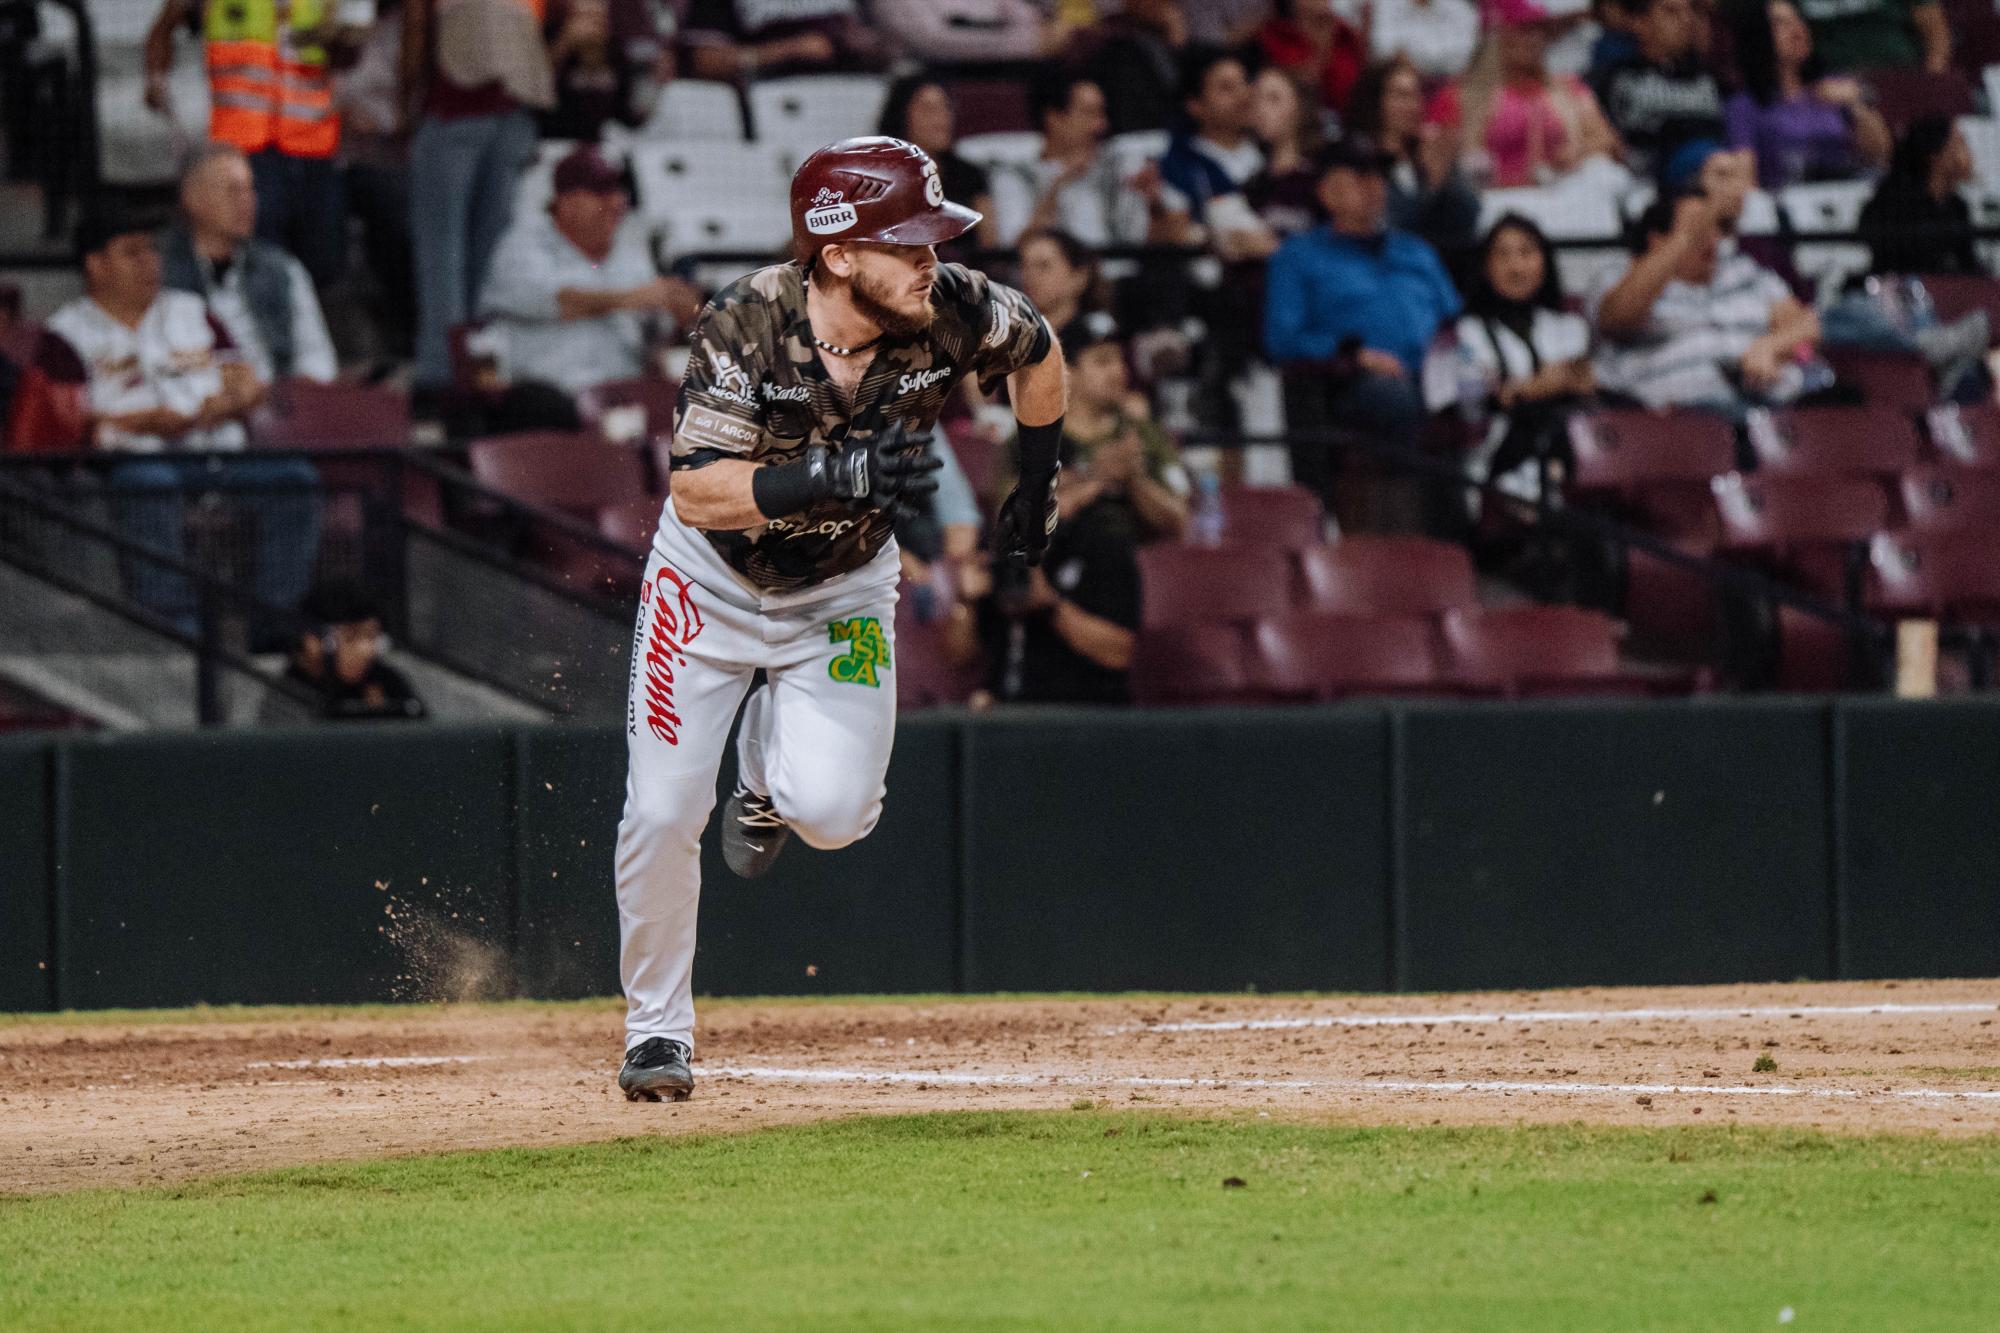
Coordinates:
872	189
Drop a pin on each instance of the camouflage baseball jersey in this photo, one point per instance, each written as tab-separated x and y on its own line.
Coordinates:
756	389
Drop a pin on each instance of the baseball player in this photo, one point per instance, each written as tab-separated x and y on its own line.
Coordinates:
803	424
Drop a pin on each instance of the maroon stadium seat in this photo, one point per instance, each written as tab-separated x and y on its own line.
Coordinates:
1814	653
575	472
989	106
926	676
1949	502
1185	585
302	414
1886	379
631	523
654	393
1834	441
1536	650
978	457
1671	609
1322	656
1953	577
1956	295
1191	664
1285	516
1967	436
1906	95
1627	450
1388	576
1779	513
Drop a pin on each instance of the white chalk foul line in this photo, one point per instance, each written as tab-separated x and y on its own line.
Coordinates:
945	1078
368	1062
1557	1016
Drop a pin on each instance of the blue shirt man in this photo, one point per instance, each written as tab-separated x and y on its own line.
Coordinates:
1349	309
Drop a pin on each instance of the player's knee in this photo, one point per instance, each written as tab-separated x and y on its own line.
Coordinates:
830	816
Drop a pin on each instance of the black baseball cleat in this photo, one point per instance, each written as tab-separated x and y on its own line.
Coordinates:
752	833
656	1070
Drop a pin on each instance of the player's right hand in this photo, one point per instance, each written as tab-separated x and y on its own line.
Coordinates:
890	468
1026	522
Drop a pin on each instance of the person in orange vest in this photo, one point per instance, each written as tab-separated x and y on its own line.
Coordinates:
270	93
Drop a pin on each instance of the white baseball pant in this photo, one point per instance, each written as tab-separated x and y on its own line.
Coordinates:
815	739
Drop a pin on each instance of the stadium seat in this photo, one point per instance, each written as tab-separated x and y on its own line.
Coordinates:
802	114
1191	664
1955	578
1833	441
1951	502
1623	451
1815	654
989	106
1000	149
1315	656
653	395
713	196
978	457
1956	295
696	109
631	523
576	473
1184	585
1388	576
1968	436
1672	609
1832	207
1781	513
302	414
1906	95
1289	517
925	674
1891	380
1535	650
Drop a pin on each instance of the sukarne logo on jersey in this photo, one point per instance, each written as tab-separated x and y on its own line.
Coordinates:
919	380
675	623
829	213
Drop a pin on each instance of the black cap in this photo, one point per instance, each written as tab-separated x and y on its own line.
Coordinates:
1092	329
1356	152
102	225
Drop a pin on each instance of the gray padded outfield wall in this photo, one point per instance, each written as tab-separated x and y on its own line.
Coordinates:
1366	847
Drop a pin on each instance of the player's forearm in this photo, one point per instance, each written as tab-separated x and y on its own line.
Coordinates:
719	497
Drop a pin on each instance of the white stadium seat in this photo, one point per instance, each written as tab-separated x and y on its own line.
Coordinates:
1001	148
1817	210
673	177
809	112
696	109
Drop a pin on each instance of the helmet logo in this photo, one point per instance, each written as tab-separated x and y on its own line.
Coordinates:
933	186
829	214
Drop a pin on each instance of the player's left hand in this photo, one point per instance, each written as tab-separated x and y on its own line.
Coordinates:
1027	521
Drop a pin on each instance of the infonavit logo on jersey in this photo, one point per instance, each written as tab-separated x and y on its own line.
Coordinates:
829	214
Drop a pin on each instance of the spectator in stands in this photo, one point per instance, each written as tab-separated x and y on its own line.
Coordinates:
740	40
375	157
1687	326
1137	62
1075	184
1215	154
608	62
573	290
1617	39
270	70
1802	125
337	662
159	379
1427	195
1853	36
919	109
1285	193
1518	356
474	72
260	294
1529	125
1728	177
1917	222
1059	274
1350	309
1662	96
1437	36
1309	39
961	31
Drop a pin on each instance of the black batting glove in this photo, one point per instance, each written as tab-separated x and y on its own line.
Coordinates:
890	469
1027	520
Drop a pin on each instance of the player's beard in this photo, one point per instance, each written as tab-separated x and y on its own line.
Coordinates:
872	302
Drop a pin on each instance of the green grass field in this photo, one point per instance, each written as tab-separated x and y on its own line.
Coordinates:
1078	1219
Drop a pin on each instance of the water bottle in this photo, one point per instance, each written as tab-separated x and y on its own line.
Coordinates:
1471	385
1918	309
1205	525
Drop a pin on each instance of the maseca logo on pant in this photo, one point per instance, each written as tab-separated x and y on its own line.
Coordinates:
673	623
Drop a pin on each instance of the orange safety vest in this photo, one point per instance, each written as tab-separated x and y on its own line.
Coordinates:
269	84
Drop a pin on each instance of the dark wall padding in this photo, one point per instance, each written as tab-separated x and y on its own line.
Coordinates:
1194	851
1568	844
1923	840
27	973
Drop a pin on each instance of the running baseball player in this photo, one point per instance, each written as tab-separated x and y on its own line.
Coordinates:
803	424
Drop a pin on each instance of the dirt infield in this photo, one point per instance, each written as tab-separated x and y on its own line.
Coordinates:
104	1104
